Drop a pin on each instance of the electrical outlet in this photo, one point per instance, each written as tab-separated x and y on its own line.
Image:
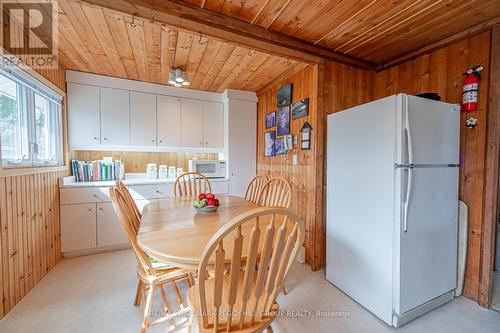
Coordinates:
295	160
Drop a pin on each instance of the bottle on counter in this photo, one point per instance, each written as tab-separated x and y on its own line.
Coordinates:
171	172
152	171
162	172
179	172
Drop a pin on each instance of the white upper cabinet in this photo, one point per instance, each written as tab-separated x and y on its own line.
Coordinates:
213	125
83	115
107	113
115	117
142	119
192	123
168	113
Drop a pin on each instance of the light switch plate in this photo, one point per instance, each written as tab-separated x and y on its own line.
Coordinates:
294	160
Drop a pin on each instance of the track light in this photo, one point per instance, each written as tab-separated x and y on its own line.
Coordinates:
178	78
171	77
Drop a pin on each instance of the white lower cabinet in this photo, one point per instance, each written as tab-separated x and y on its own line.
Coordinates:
78	227
110	231
219	187
159	191
89	223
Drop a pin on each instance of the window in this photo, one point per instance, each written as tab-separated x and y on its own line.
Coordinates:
30	122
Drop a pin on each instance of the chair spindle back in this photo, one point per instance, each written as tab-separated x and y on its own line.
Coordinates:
276	192
191	183
255	187
275	236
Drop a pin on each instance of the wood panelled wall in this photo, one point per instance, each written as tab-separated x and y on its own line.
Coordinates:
346	86
442	71
137	161
301	176
330	86
30	233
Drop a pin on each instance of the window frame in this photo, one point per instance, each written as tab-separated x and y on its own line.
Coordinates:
28	87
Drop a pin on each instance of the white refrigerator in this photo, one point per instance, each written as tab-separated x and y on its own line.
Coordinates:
392	205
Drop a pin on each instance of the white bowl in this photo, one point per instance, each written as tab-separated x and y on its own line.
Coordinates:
207	209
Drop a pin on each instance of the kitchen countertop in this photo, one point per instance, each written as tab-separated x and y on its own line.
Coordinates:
130	180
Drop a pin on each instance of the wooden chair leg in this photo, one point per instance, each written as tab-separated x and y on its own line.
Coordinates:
269	329
163	299
179	297
190	280
138	294
147	309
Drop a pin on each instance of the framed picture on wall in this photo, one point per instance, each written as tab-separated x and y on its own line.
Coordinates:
300	109
271	119
279	146
284	95
269	139
283	121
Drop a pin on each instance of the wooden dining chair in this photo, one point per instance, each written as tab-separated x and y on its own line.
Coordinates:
152	275
276	192
191	183
255	187
130	201
237	297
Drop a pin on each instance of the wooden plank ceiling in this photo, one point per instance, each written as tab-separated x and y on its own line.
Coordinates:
97	40
373	30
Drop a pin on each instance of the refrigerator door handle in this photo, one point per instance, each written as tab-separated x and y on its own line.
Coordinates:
408	133
406	202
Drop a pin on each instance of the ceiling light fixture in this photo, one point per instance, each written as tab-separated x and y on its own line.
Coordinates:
178	78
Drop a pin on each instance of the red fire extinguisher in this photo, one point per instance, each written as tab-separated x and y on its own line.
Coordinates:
470	89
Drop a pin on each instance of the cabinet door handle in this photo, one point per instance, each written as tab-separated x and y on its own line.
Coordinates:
153	140
96	138
106	139
90	210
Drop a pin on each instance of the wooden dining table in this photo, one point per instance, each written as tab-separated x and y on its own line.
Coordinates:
173	232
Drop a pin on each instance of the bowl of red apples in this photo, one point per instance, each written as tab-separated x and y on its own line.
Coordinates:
207	202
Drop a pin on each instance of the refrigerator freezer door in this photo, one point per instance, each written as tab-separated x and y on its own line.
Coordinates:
427	262
360	204
434	131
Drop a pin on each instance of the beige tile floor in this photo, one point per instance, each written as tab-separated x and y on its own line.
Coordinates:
95	294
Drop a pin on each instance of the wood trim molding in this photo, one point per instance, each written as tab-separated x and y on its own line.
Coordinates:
491	208
319	126
31	171
487	25
195	19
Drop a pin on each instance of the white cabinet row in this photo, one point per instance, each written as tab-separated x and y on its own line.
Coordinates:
108	116
89	223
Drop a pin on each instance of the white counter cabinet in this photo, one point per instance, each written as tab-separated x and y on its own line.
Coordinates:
89	223
78	227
